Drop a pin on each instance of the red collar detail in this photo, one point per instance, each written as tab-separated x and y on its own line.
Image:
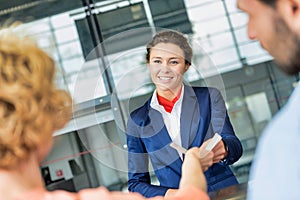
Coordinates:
168	105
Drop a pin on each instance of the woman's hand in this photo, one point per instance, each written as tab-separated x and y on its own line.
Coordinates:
206	158
220	152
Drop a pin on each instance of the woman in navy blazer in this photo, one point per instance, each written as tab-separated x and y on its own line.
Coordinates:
187	116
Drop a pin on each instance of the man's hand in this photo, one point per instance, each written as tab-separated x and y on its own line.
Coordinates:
192	173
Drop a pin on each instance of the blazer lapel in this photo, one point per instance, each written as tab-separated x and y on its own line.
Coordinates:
158	126
190	117
165	155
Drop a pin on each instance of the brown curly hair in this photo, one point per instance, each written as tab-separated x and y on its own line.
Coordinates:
31	107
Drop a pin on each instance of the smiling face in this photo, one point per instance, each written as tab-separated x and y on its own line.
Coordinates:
275	29
167	67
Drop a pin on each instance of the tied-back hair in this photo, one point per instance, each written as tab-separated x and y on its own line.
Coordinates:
174	37
31	107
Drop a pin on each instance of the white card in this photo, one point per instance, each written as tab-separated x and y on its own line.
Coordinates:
178	148
213	142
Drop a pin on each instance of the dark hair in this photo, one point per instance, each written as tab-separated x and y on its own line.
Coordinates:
173	37
271	3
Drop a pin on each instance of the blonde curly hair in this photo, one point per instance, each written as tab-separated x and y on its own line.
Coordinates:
31	107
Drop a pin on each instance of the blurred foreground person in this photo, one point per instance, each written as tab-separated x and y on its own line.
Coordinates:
275	173
31	109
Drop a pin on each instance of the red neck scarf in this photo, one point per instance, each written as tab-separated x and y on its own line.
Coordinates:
168	105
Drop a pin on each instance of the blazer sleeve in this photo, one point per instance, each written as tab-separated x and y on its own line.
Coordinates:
221	124
138	170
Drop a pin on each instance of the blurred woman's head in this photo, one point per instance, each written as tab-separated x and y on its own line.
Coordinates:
31	107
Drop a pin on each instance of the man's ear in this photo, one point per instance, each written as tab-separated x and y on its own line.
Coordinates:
289	10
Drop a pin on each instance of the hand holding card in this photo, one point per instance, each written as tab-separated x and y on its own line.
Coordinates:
213	142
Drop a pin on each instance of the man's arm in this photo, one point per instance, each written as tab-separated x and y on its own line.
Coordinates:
192	184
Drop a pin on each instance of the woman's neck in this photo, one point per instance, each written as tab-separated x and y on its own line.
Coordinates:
169	94
21	179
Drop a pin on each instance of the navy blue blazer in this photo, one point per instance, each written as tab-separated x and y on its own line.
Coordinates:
203	113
